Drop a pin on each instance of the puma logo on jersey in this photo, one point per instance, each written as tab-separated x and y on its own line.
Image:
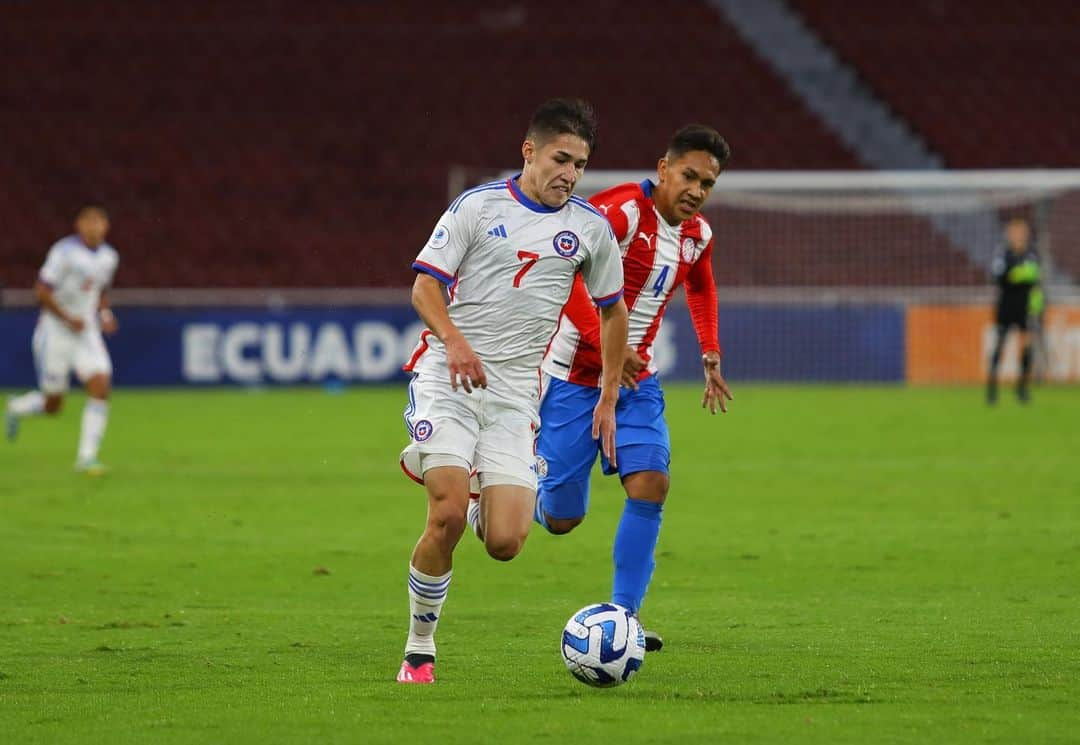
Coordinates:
645	236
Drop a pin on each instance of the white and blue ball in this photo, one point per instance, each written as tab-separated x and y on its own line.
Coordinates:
603	645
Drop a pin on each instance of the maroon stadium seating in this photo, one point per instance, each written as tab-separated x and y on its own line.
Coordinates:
274	143
987	84
792	249
308	144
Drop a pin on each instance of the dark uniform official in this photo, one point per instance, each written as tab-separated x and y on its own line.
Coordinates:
1017	273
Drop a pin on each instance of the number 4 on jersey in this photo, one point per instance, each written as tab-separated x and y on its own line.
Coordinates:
658	287
530	259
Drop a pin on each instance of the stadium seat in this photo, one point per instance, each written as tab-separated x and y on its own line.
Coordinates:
229	134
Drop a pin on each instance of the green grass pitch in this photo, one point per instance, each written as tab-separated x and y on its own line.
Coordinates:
836	565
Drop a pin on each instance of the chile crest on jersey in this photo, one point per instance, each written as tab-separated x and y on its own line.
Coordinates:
422	430
566	244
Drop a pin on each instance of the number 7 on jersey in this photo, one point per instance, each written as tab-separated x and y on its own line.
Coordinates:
530	259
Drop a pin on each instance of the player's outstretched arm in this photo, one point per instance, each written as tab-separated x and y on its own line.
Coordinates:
613	327
47	300
701	300
462	362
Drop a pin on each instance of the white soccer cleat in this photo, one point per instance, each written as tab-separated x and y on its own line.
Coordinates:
92	467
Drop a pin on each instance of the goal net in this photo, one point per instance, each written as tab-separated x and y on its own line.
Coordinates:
878	276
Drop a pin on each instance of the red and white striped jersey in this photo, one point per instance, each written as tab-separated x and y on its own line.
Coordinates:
657	258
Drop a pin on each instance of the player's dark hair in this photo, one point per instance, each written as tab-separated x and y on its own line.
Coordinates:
699	137
560	116
92	207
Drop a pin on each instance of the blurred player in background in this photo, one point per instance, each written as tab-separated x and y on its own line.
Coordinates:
665	243
507	252
71	290
1016	271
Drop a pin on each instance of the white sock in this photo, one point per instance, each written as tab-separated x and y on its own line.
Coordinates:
426	597
28	404
472	516
94	418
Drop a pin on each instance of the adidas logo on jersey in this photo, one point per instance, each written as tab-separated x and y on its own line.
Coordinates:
498	232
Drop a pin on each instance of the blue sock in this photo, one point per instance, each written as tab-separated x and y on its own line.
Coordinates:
635	544
538	514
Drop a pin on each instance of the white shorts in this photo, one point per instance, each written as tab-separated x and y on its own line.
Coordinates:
494	435
58	351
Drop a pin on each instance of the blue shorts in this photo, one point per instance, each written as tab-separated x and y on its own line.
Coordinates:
566	450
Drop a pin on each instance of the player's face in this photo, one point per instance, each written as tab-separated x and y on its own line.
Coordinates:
1017	234
92	226
685	184
553	167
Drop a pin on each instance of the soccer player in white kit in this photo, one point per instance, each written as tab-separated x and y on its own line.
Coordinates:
507	252
71	289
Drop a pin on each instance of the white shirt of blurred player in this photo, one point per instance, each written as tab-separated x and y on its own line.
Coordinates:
78	275
510	263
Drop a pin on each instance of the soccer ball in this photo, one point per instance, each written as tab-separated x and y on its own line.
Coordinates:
603	645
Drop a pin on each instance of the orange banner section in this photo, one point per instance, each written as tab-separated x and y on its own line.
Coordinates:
953	344
944	343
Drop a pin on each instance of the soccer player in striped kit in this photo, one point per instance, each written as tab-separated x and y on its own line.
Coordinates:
71	289
507	253
665	243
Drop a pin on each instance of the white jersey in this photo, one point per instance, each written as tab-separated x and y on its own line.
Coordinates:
509	263
78	275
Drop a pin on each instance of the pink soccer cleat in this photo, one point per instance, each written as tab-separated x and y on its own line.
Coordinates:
423	673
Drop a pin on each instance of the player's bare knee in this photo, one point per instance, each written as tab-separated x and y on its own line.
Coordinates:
98	387
647	486
446	526
505	547
505	542
445	523
53	404
562	526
